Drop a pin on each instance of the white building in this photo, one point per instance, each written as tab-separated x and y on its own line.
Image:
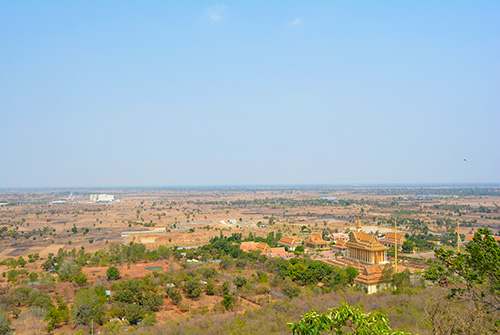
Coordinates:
102	198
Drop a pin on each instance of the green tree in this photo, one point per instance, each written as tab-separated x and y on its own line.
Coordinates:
226	262
225	288
240	281
402	279
81	279
343	320
289	288
408	246
152	302
88	306
193	288
351	274
21	261
134	313
33	276
475	273
149	319
210	288
68	270
113	273
42	300
175	295
227	301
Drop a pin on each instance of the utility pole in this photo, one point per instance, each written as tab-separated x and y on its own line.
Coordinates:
458	235
395	246
92	332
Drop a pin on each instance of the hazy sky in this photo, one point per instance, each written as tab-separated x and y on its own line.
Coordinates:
155	93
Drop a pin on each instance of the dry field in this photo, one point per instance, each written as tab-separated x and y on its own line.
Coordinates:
191	217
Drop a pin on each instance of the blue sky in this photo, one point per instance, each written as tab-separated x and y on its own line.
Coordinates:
154	93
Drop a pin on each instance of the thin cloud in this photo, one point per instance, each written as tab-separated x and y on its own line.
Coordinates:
215	12
295	22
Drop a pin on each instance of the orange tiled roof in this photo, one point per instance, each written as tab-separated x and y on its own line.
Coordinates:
288	241
371	275
391	235
390	238
340	245
247	246
263	246
280	252
316	239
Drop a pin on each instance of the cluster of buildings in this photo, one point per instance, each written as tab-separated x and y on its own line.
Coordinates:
102	198
360	250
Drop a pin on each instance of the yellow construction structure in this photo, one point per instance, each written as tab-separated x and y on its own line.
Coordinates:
395	247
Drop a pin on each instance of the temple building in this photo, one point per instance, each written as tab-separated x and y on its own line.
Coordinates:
340	248
391	239
290	242
315	242
371	280
365	247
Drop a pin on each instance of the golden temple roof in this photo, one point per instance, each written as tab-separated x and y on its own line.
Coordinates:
361	240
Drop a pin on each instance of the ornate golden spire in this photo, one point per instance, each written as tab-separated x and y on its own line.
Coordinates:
358	225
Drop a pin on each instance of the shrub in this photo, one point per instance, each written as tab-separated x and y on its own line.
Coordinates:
193	288
113	273
134	313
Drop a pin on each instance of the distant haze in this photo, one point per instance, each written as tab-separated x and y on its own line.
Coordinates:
153	93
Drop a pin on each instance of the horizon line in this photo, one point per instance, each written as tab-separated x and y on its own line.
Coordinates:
269	186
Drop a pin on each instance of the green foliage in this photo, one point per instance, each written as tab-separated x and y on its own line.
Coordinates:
228	301
152	302
149	319
408	246
351	274
402	279
33	276
300	249
210	288
263	277
20	295
193	288
225	288
21	262
113	273
175	295
88	306
289	288
240	281
343	320
58	315
4	323
226	262
40	299
81	279
134	313
478	267
69	270
209	273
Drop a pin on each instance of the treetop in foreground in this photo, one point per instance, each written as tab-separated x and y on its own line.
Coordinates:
473	274
343	320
